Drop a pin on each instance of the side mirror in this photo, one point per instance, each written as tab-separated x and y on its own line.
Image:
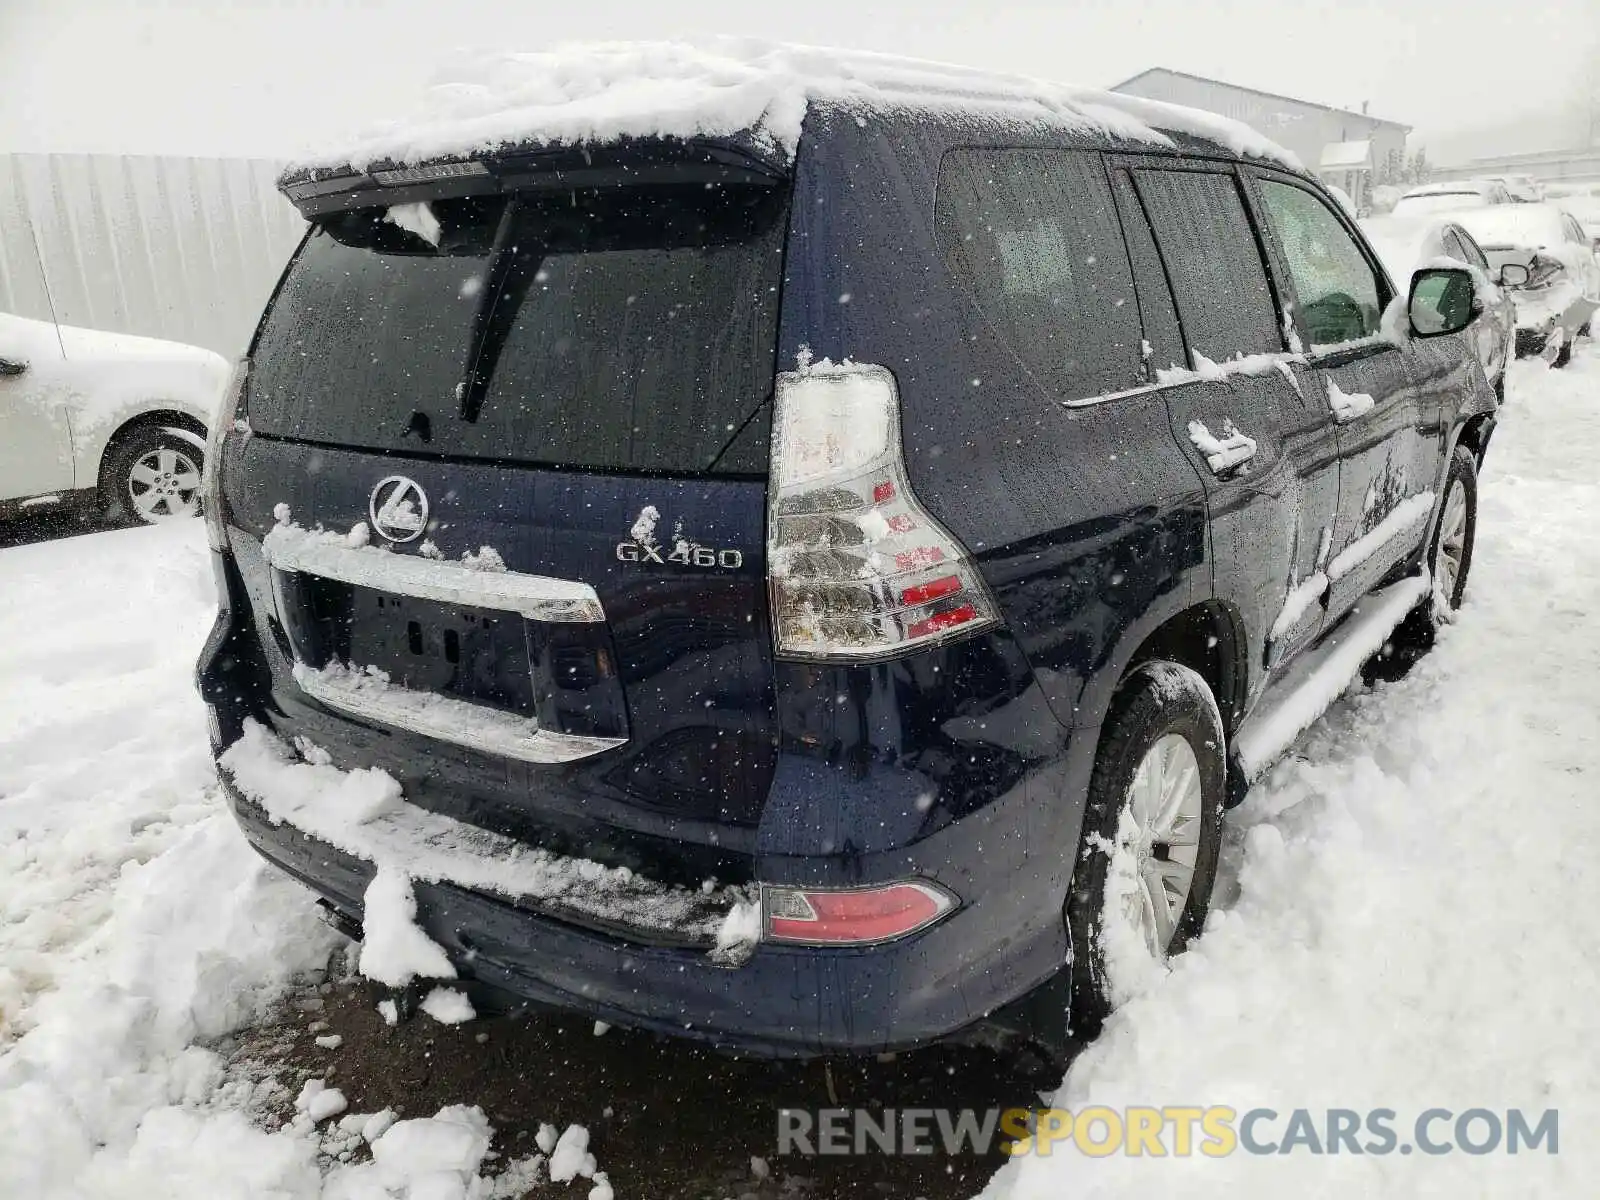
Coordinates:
1441	301
1513	275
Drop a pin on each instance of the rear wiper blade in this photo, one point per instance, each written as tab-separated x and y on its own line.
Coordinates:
507	281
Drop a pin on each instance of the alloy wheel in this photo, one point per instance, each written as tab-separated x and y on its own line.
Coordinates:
1164	800
164	484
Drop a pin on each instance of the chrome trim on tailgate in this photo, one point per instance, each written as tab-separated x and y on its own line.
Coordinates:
459	722
537	597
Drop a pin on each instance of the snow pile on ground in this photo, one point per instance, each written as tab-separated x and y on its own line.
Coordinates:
135	923
1410	927
720	87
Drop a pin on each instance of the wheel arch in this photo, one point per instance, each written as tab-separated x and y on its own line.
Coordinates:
1474	436
185	424
1208	636
1209	639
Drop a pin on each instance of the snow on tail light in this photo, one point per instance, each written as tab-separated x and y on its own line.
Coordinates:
211	469
1543	271
852	916
858	569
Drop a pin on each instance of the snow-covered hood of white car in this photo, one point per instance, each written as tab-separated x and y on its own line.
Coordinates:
106	379
82	344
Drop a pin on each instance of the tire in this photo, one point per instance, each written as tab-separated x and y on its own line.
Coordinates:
151	473
1415	635
1563	355
1159	700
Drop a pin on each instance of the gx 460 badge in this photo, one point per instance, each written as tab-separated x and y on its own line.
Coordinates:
683	554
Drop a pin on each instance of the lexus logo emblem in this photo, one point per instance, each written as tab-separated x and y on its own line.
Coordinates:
399	508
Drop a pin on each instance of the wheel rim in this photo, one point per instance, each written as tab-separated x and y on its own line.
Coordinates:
164	484
1165	802
1452	545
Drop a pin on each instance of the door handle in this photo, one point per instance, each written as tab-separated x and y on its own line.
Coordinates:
1224	454
11	367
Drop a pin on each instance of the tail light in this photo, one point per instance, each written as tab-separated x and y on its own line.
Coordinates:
1543	271
858	569
851	916
211	472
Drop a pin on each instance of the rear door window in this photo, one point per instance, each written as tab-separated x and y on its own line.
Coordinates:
1341	299
1468	250
1213	260
1034	238
629	329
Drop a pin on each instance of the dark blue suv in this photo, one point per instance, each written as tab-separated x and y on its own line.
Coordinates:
820	598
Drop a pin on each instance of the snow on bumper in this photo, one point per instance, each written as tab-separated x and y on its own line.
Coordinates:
363	814
1540	311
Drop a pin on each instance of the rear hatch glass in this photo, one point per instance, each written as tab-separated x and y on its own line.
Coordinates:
628	329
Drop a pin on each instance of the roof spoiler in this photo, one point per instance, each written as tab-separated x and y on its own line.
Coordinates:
316	191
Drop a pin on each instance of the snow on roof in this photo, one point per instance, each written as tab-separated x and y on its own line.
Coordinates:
1526	225
1344	155
597	92
1453	187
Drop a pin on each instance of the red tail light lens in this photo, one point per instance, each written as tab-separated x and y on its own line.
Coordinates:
858	569
854	916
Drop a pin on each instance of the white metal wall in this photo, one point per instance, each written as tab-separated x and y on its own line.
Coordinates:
1296	125
182	248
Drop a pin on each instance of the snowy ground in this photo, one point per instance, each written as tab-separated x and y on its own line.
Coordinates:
1407	922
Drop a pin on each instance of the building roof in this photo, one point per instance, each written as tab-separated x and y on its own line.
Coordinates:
1349	112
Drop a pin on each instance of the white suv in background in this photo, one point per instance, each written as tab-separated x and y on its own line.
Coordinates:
112	419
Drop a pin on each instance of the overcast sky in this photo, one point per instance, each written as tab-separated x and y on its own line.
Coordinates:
265	77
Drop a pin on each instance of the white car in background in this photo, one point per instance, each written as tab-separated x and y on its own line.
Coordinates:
1524	189
1407	245
110	419
1581	202
1447	197
1557	299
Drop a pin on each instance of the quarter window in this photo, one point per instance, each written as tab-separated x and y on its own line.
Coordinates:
1034	237
1340	299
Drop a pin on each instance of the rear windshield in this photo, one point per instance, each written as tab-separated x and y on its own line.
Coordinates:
620	328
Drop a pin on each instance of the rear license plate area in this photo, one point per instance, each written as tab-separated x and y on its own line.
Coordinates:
473	654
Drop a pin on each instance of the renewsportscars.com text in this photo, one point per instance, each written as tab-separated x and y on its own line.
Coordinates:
1170	1130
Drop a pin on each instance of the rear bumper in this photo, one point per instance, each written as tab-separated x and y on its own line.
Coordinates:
1541	317
989	809
785	1001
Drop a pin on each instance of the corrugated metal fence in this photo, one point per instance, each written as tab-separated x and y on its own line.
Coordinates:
181	248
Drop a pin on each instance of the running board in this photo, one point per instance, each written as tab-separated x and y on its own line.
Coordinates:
1292	705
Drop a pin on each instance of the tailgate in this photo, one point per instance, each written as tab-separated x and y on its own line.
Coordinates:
507	466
